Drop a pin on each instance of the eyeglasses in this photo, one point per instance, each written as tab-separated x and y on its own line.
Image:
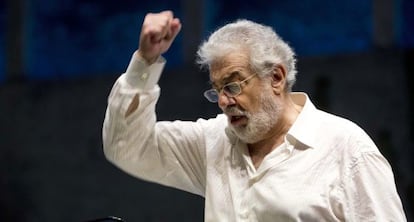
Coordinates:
231	90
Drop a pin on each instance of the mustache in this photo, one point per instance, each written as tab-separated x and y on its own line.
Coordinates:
234	111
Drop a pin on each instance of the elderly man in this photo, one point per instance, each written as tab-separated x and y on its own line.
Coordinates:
271	155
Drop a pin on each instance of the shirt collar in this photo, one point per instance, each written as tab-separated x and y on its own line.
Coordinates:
304	129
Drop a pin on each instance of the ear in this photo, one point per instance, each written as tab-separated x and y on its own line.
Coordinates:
278	79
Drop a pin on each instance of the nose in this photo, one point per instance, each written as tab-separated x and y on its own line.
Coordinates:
224	100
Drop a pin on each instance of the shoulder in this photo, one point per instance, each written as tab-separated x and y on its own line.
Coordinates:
340	126
345	136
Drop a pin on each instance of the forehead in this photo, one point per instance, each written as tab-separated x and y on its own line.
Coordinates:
229	66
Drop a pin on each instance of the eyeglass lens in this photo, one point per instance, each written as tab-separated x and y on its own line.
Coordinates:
232	89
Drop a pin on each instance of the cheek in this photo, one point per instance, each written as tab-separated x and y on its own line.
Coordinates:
254	96
256	104
250	103
261	99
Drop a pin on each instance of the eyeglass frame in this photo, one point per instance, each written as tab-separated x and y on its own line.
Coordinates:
207	94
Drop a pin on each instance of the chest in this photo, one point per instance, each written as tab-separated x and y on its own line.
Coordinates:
298	187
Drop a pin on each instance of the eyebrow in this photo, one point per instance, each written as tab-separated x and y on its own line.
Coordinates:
227	78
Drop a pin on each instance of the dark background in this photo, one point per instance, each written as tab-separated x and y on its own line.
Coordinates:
59	59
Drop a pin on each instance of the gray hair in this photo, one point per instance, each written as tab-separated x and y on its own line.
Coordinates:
266	48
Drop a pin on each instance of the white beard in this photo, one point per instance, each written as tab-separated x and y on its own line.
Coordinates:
259	123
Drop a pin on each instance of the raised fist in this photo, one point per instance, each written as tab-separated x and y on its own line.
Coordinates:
157	34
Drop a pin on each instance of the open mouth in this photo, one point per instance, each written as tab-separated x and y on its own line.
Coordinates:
236	116
238	120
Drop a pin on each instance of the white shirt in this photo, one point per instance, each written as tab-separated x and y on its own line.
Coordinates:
328	169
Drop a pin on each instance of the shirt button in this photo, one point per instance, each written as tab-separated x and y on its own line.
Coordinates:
144	76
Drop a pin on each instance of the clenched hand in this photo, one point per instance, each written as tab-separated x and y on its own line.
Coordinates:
157	34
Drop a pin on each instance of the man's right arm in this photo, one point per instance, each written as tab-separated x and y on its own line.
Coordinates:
139	83
170	153
131	104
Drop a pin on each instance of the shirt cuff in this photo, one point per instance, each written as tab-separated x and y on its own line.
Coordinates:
142	76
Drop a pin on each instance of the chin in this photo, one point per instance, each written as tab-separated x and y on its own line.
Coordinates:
245	135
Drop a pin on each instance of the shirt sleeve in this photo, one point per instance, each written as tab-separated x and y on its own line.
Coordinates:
369	187
169	153
141	76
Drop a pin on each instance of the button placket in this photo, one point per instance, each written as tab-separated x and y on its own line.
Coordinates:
245	204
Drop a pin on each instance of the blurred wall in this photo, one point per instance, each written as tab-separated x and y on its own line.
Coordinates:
51	163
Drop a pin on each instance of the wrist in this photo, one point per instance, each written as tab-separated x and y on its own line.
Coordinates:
147	59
